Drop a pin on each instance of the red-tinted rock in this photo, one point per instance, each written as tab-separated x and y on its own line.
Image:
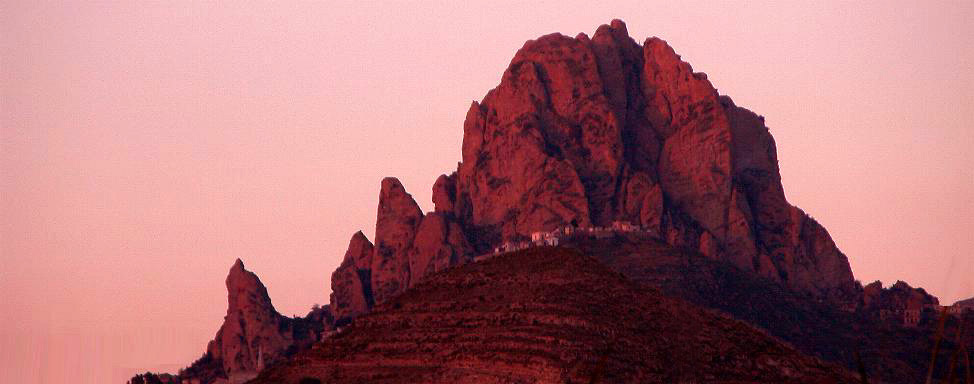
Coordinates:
817	266
620	62
439	244
408	246
635	135
352	282
739	242
396	223
253	334
590	131
641	201
511	181
445	193
695	164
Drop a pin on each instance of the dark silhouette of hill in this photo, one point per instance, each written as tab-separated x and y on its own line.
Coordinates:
546	315
834	331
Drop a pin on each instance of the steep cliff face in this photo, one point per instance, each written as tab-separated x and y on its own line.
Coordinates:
396	223
253	333
594	130
352	281
409	245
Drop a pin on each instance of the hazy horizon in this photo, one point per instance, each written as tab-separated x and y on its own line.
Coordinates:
145	147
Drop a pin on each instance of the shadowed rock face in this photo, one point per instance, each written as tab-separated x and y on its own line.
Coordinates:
898	297
396	223
546	315
582	131
594	130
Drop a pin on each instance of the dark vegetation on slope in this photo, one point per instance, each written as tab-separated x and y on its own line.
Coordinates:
887	350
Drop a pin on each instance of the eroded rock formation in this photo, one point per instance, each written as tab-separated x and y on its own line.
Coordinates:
352	281
253	333
588	131
580	131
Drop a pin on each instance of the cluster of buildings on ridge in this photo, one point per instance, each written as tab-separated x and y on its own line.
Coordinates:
912	315
554	237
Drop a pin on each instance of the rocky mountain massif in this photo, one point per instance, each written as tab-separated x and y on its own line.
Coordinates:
546	316
590	131
586	132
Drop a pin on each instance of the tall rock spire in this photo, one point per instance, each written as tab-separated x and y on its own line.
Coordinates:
253	332
593	130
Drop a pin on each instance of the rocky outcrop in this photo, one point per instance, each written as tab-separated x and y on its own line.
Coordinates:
396	223
445	193
439	244
582	131
409	245
547	315
588	131
632	133
253	334
352	281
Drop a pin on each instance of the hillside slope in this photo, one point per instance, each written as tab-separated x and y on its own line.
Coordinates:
546	315
888	350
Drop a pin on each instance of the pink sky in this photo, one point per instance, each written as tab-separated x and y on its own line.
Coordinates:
145	147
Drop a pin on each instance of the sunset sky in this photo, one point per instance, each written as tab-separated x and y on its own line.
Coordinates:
145	147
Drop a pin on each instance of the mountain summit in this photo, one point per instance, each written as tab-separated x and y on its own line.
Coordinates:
590	131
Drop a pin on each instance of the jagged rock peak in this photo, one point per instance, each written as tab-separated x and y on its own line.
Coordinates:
595	130
392	191
244	290
445	193
253	333
352	282
396	222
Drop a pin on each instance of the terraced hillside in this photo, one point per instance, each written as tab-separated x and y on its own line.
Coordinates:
546	315
888	351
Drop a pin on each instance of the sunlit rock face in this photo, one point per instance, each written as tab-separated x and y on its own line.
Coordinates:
589	131
352	281
254	334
